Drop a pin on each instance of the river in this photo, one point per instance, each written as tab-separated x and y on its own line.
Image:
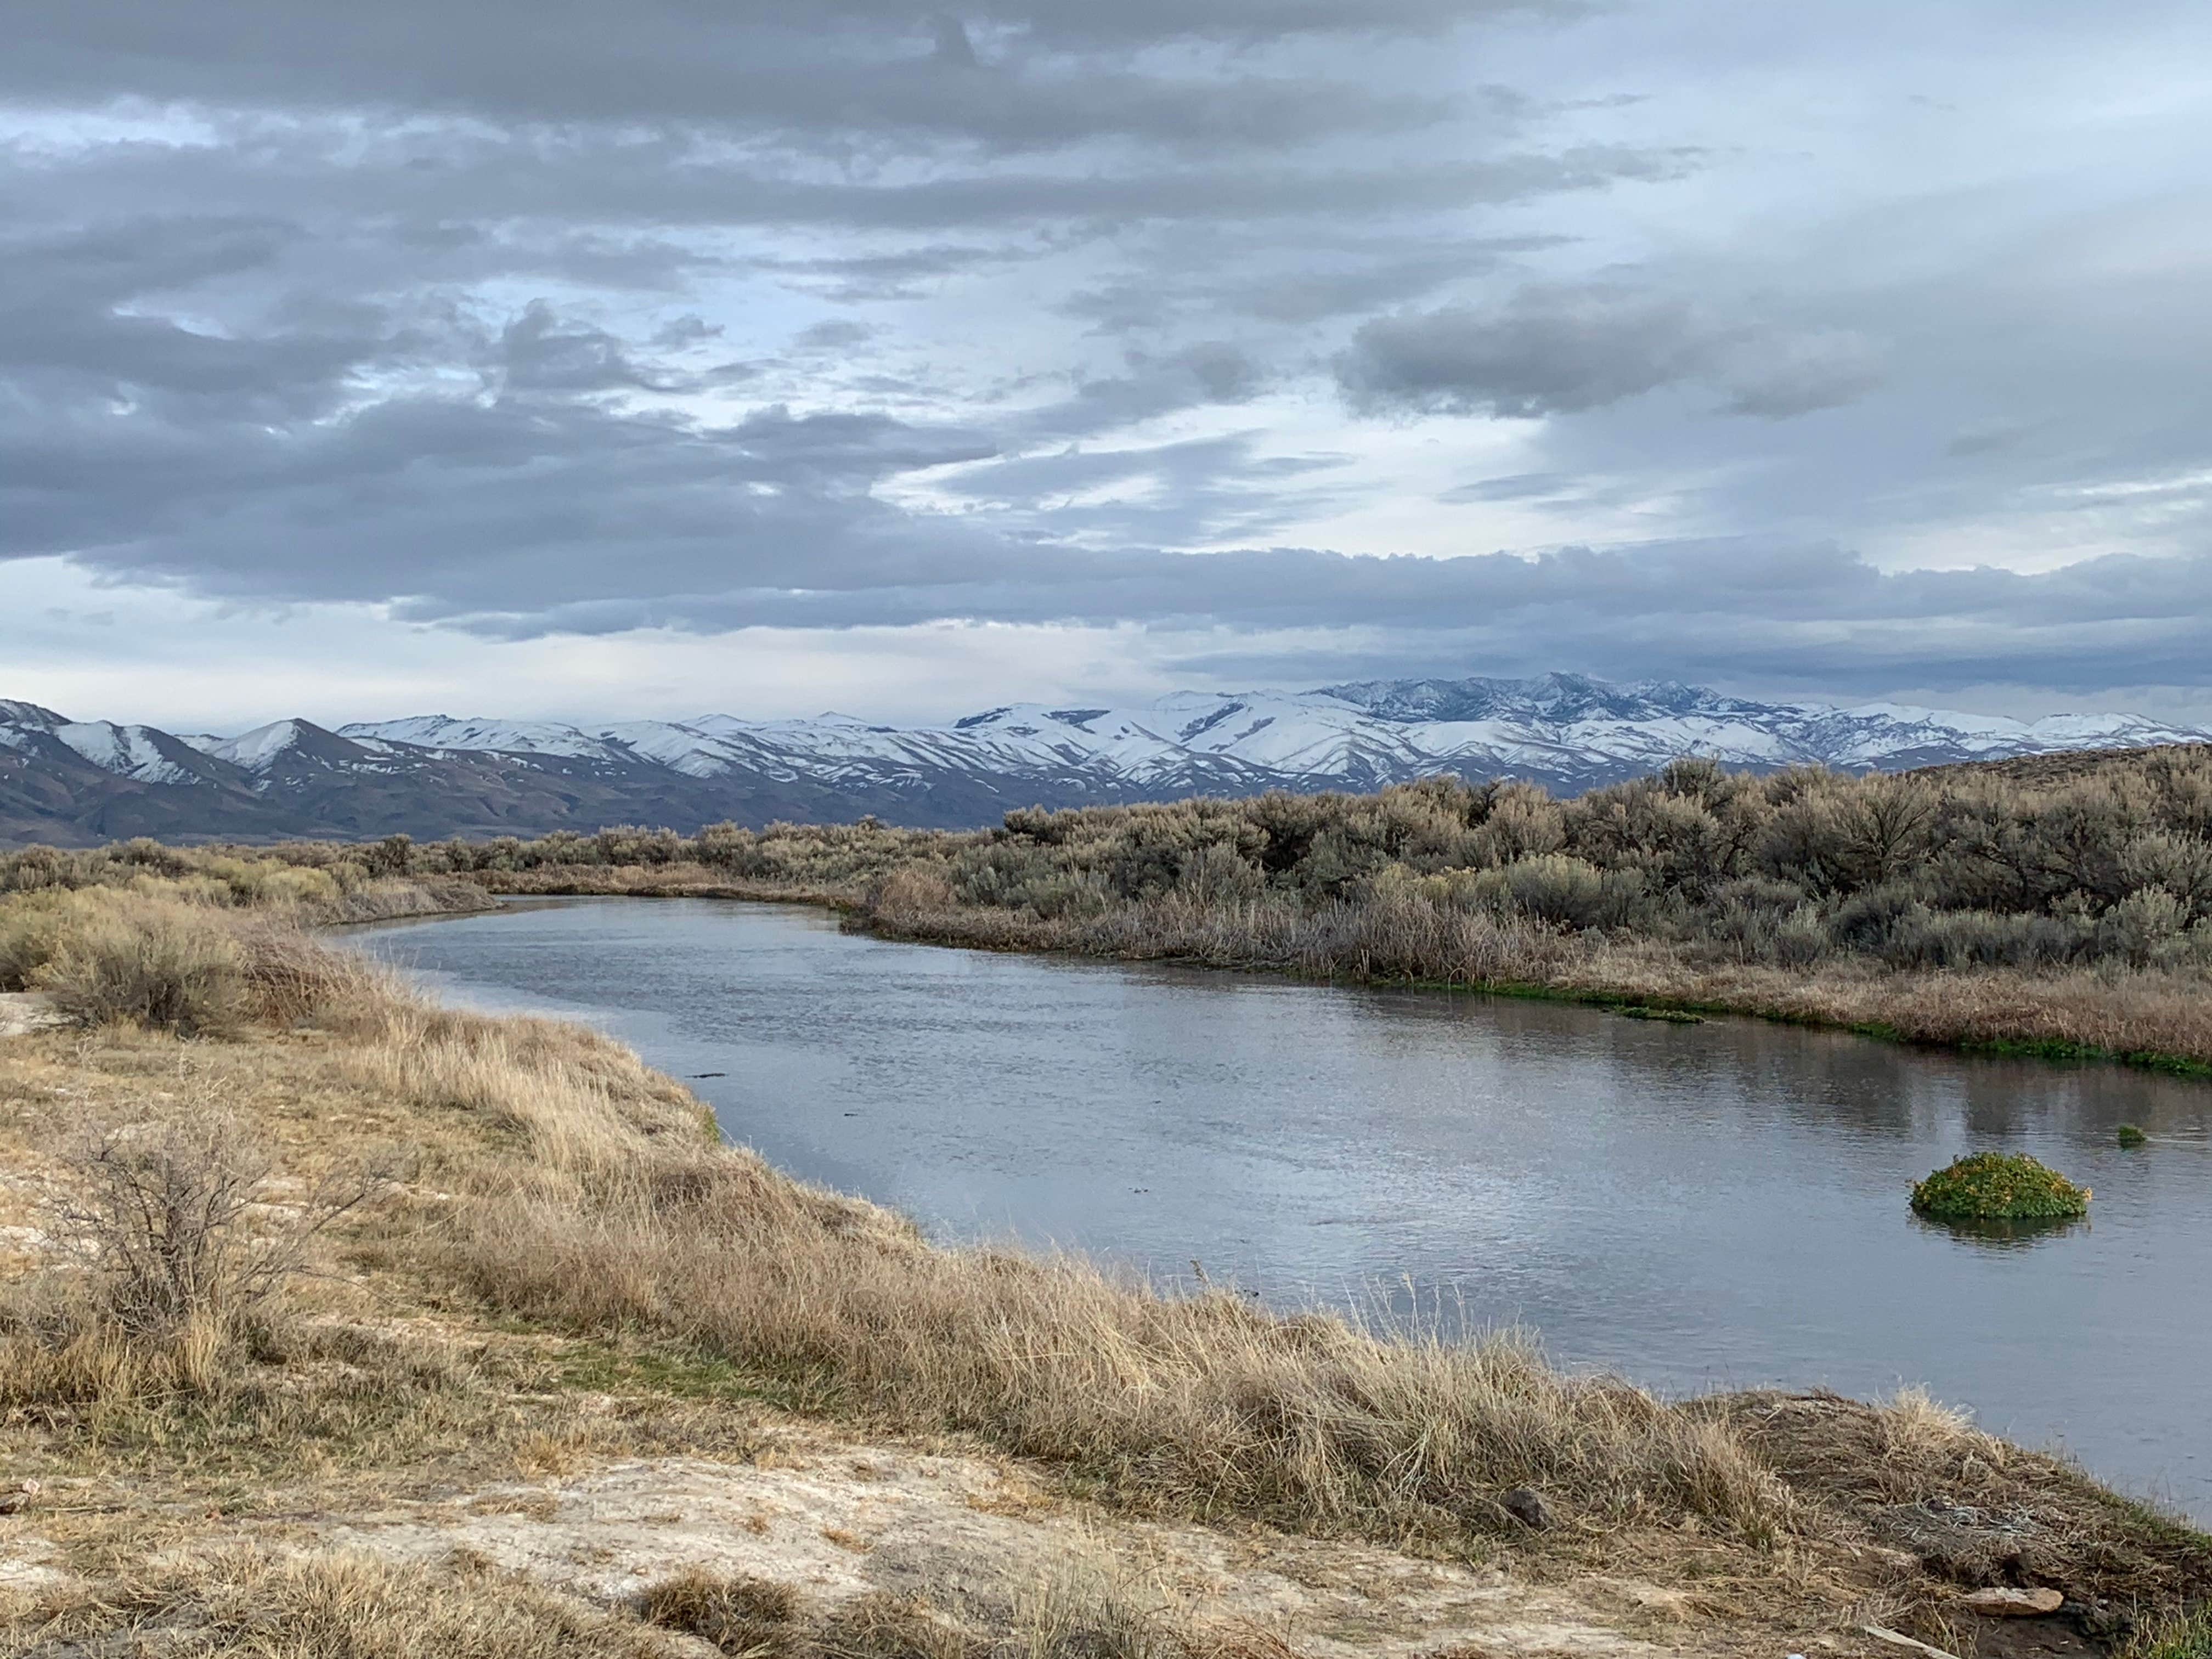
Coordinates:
1705	1206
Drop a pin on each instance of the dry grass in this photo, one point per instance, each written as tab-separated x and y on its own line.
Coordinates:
1075	1607
559	1182
239	1603
200	956
1197	1405
1973	1508
256	1605
735	1613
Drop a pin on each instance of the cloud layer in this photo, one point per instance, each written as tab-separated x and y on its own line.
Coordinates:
1300	336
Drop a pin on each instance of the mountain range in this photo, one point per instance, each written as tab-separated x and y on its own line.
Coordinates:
71	781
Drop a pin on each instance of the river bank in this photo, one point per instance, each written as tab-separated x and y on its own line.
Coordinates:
2157	1020
566	1291
1707	1207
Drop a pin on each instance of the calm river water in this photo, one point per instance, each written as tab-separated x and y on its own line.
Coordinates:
1701	1206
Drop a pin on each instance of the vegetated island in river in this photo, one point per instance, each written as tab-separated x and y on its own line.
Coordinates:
2059	906
335	1322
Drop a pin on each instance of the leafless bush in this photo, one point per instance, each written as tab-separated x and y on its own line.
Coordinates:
176	1219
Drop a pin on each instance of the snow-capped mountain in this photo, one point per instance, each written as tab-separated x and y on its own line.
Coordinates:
434	774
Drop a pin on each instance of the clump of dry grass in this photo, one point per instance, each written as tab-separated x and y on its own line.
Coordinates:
572	1102
735	1612
1074	1607
247	1603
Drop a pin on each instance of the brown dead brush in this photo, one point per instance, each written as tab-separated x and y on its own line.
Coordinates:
173	1257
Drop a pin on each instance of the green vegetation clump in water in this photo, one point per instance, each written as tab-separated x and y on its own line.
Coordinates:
2131	1136
1999	1187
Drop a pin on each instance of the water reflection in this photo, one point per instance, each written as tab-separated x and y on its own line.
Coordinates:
1993	1232
1711	1206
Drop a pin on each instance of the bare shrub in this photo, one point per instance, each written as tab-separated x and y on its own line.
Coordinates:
172	1218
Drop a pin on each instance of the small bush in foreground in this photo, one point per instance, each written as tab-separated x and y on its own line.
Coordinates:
181	1253
154	961
1999	1187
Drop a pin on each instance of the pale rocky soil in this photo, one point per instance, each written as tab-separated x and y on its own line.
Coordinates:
25	1011
839	1519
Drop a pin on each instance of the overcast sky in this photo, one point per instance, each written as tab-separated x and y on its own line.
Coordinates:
569	357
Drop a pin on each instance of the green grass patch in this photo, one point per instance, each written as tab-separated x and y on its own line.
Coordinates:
2183	1636
1999	1187
686	1374
2128	1135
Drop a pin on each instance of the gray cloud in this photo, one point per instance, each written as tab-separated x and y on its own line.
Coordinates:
1558	349
1798	616
1024	76
533	319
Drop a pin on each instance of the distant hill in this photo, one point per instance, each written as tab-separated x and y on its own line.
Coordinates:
80	781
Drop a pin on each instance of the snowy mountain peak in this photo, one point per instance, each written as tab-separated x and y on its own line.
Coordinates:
259	750
130	752
30	715
439	773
